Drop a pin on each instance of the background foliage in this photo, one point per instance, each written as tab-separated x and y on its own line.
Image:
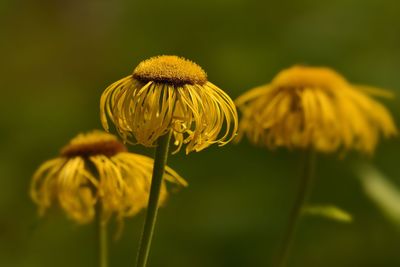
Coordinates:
58	56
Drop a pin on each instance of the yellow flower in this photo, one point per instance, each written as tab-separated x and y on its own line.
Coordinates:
95	167
314	107
169	93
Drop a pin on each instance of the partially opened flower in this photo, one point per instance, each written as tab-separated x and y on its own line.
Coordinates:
167	97
96	169
169	93
314	107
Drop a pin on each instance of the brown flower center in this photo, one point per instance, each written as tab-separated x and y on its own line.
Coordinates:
170	69
107	148
309	77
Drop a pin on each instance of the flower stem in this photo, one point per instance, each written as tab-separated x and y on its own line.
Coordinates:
101	232
160	161
306	178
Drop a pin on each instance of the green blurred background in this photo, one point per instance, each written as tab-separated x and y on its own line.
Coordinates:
58	56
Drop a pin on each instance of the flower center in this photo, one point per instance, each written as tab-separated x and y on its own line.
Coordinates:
170	69
309	77
94	143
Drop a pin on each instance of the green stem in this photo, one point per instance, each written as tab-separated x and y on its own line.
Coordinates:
101	232
301	199
160	161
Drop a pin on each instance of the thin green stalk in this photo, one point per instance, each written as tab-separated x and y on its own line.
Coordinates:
160	161
101	234
306	177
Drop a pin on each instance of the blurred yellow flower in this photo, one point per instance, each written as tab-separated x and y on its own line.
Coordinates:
95	167
314	107
169	93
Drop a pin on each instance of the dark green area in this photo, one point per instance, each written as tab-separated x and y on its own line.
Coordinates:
58	56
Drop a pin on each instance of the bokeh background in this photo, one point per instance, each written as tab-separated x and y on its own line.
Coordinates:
58	56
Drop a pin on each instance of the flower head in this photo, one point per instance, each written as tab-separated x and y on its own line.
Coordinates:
169	93
95	167
314	107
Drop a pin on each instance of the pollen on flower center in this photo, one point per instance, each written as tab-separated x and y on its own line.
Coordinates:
309	77
170	69
94	143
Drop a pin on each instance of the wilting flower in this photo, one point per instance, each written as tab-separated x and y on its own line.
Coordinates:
314	107
167	93
96	168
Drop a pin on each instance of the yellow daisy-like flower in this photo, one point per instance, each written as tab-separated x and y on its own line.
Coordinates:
96	168
167	93
314	107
